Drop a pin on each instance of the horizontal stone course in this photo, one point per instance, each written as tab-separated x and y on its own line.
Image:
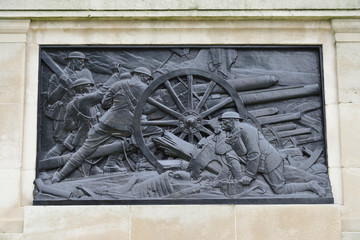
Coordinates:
173	5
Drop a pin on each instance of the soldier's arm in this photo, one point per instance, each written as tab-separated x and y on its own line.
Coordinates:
90	100
108	98
69	118
250	138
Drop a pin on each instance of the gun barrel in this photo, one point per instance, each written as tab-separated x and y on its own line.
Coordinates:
279	118
264	112
51	64
295	132
285	127
242	84
271	95
280	94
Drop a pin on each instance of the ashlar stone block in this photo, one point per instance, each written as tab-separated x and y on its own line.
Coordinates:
350	235
10	208
286	222
348	59
76	222
12	62
10	135
349	137
351	207
183	222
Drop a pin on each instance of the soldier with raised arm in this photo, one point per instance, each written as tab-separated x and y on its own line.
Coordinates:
121	100
60	94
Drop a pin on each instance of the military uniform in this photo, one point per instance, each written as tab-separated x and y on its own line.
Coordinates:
260	157
58	99
81	114
121	99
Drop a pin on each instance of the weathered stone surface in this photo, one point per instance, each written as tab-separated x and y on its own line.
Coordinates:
12	62
329	72
27	186
183	222
335	175
350	224
11	236
348	71
350	235
10	201
288	222
173	5
77	222
30	111
351	208
11	226
332	119
10	135
184	32
13	31
349	127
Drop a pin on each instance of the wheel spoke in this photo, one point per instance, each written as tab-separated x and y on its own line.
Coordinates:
174	96
198	136
216	107
164	108
206	122
176	130
190	80
205	96
182	135
191	138
160	123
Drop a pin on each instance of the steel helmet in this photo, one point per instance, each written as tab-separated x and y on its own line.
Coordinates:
232	115
142	70
77	55
125	76
82	81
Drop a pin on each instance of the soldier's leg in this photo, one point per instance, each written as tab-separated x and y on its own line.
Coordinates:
97	135
57	150
278	183
233	159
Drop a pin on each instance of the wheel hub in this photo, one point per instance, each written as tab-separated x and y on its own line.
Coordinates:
190	122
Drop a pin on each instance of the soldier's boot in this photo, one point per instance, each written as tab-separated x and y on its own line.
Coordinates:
301	187
236	169
66	170
57	150
111	165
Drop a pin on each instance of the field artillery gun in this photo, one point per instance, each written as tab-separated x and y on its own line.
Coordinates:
190	100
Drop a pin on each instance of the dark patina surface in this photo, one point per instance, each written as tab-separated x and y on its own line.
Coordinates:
181	125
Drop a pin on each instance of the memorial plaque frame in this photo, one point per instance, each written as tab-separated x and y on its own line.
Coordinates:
181	124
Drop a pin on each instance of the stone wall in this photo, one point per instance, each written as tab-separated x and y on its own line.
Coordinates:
25	25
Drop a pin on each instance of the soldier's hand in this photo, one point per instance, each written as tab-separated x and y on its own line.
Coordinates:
246	180
65	81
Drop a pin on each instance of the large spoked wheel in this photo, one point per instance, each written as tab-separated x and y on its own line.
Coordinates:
185	102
